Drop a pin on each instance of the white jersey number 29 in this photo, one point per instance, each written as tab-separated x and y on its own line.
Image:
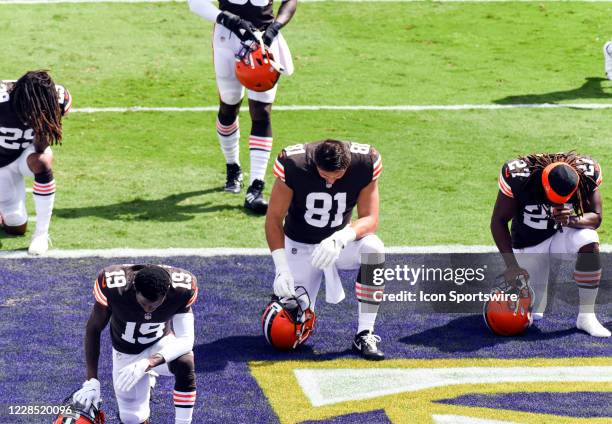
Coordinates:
319	216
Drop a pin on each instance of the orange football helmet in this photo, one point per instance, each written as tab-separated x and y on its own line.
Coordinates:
76	414
286	323
256	68
508	317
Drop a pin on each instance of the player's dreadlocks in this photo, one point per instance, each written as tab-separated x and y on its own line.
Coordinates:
537	163
35	101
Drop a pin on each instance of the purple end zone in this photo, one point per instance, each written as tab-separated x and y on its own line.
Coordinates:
44	305
592	404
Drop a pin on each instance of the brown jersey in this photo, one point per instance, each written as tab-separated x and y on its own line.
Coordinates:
258	12
15	136
316	210
533	222
132	330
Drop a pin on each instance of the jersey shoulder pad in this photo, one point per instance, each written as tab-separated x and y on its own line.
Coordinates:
512	175
288	159
112	281
184	283
64	98
366	155
591	169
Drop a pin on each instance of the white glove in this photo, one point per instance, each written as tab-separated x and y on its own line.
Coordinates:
89	394
131	374
328	251
284	285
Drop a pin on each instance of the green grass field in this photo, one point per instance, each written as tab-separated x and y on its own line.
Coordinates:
153	179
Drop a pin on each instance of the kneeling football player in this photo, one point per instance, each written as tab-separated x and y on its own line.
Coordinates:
152	332
555	207
31	111
309	228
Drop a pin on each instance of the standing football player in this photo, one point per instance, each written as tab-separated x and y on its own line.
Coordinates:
152	332
236	22
31	111
309	228
555	207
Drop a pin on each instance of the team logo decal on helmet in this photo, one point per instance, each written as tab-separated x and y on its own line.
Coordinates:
288	322
509	317
256	68
75	413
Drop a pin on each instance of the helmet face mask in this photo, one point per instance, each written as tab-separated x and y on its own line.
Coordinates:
288	322
76	414
256	68
510	317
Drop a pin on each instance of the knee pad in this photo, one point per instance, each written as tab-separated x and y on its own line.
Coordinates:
183	369
132	418
231	96
373	245
15	218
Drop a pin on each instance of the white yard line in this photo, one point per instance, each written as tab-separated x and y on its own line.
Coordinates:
391	108
231	251
9	2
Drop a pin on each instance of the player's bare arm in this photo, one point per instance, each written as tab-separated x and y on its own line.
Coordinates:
367	211
280	199
503	211
592	216
98	320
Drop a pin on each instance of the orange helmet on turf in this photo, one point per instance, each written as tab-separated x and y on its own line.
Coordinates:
507	317
256	68
75	413
288	322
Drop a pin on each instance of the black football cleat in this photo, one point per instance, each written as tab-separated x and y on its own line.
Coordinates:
254	200
366	344
233	182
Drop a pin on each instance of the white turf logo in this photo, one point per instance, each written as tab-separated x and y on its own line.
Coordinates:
332	386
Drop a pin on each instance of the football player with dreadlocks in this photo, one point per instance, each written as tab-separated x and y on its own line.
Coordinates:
236	22
310	232
555	206
31	111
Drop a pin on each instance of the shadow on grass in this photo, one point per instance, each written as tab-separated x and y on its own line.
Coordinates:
591	89
167	209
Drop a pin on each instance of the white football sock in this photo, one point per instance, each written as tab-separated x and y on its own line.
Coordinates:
44	197
229	139
260	148
183	406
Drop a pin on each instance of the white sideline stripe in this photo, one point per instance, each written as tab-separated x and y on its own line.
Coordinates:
206	252
3	2
394	108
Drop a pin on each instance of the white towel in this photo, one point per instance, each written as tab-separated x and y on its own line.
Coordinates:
334	293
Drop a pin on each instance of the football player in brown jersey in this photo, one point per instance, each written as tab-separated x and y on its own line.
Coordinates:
236	20
309	228
152	333
554	203
31	111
